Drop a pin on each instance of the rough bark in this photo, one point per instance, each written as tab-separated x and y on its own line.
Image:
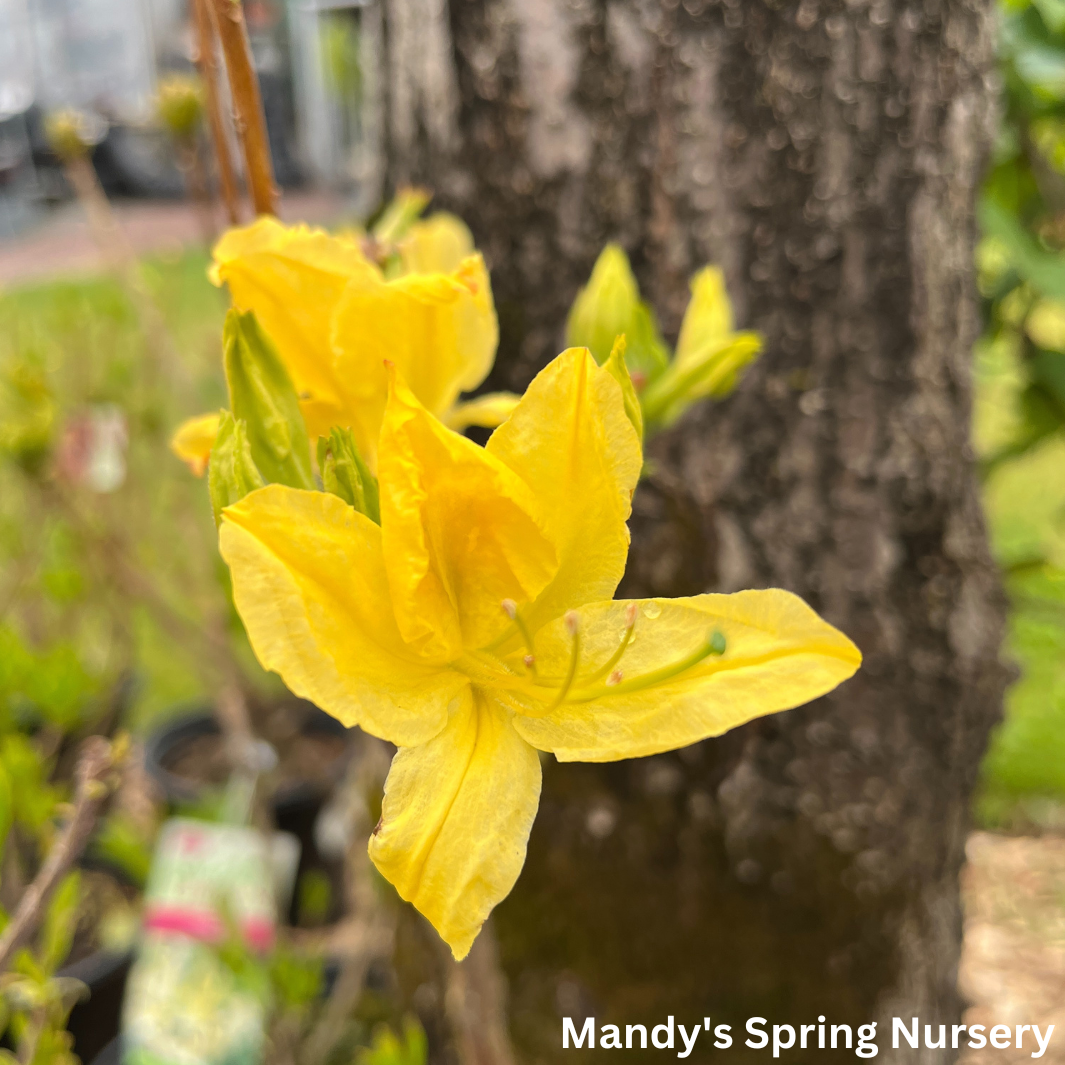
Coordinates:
827	155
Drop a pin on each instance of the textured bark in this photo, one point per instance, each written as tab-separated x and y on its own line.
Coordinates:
827	155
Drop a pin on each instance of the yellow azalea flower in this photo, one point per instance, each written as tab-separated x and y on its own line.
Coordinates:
474	627
436	245
334	318
194	439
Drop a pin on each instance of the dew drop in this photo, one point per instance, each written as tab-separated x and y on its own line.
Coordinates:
651	610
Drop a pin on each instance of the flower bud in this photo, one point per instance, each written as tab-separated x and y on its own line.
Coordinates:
179	104
261	395
231	473
609	306
346	475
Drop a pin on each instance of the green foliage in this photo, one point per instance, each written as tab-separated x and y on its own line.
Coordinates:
345	474
263	397
387	1048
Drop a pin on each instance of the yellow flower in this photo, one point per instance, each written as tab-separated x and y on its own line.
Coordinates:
194	439
334	318
474	627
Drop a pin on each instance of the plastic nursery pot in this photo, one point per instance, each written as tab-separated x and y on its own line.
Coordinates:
94	1020
187	759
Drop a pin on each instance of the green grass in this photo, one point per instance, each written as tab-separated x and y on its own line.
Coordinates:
1024	770
85	339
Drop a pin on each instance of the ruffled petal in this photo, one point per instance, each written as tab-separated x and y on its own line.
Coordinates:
309	584
456	819
778	654
461	532
572	443
292	278
436	245
488	411
439	330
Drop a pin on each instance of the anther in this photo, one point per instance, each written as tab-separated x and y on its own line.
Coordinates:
510	608
573	622
530	662
614	678
630	615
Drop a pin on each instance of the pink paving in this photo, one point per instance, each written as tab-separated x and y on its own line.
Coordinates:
61	245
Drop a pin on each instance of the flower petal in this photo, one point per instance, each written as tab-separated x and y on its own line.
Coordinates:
572	443
461	532
292	278
193	440
439	330
456	819
778	654
309	584
438	244
487	411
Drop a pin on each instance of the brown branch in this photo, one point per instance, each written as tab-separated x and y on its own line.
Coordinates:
207	62
475	1004
92	787
247	103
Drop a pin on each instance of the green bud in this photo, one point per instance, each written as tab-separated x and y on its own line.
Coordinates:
231	473
610	305
708	374
617	369
261	394
346	475
404	210
179	104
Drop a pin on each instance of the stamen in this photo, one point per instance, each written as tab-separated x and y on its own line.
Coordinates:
573	627
713	644
510	608
612	661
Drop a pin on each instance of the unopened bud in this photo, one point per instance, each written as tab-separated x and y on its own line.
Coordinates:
262	396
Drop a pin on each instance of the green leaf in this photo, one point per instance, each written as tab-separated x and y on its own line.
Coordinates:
60	922
261	395
232	472
345	474
1044	269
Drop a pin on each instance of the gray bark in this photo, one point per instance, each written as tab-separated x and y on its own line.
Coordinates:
827	155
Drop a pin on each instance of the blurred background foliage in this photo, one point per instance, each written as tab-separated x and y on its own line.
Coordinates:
1019	425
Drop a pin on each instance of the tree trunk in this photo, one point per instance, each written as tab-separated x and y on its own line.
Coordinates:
827	155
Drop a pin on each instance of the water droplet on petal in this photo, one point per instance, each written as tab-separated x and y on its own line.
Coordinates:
651	610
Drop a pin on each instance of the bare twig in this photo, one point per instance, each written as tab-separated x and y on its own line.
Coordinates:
247	104
369	933
207	61
92	786
475	1004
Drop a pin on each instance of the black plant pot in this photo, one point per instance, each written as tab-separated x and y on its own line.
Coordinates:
110	1054
94	1020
